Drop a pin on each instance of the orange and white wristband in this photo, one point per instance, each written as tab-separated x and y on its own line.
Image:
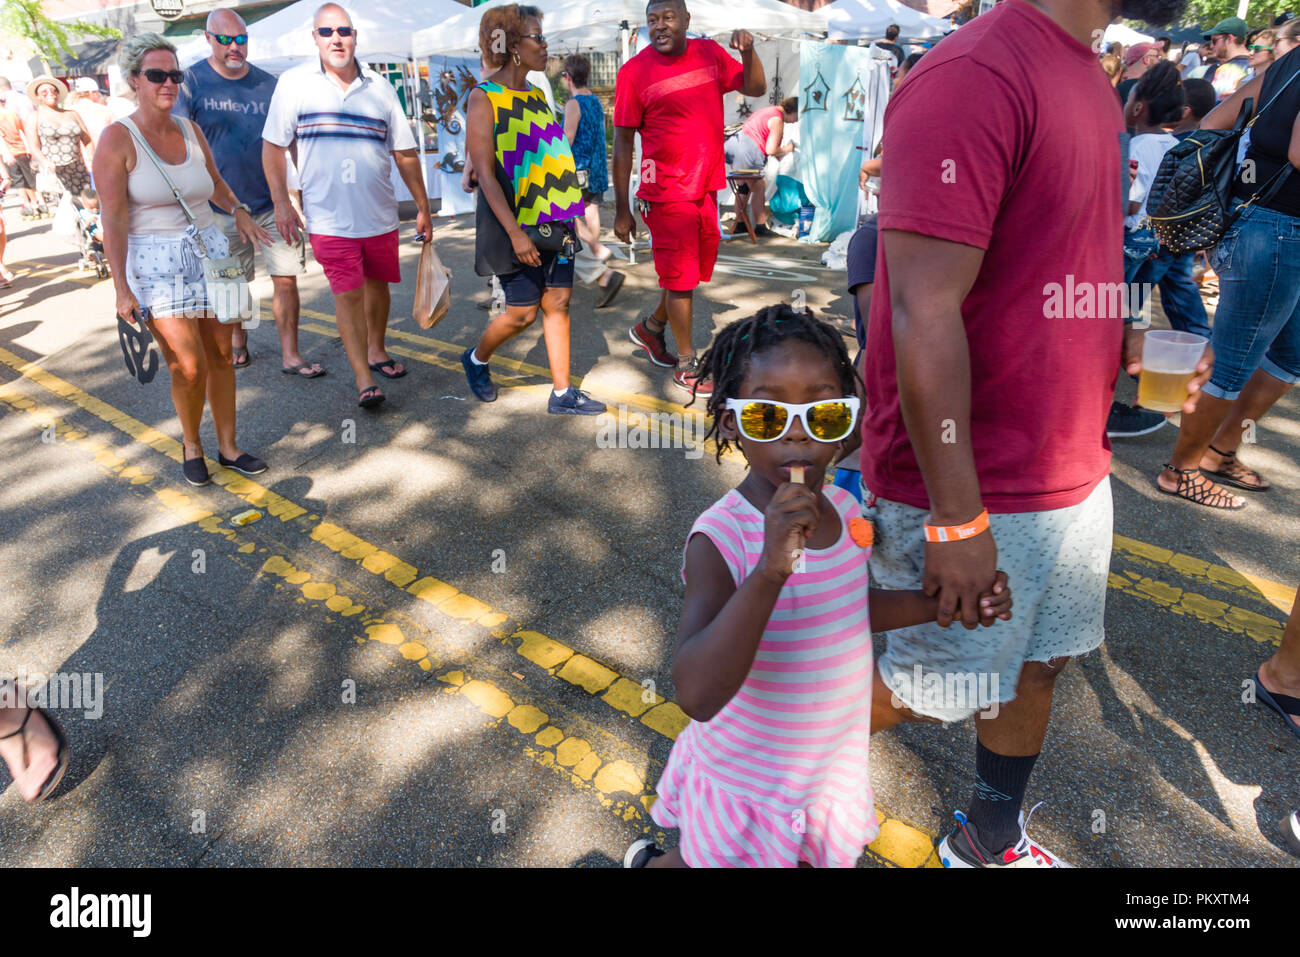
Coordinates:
958	533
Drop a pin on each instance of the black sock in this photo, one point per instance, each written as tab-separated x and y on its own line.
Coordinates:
999	795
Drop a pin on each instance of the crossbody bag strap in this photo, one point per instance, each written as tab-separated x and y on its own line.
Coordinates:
158	164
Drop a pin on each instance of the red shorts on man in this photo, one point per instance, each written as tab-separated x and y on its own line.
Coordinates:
348	262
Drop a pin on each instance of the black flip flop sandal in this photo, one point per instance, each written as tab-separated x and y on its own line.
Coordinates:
1189	490
1285	705
370	398
297	370
1231	476
55	776
235	354
380	367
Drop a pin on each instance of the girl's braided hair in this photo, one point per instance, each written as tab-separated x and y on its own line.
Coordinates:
727	361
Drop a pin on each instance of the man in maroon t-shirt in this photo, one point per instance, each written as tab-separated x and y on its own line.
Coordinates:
671	93
995	339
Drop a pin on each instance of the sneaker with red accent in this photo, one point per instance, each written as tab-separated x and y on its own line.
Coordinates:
963	848
653	345
692	379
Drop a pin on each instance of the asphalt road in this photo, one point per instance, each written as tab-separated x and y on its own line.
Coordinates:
447	640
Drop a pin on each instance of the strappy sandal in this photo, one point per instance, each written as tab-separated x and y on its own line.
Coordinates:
1201	494
1231	472
1286	706
55	776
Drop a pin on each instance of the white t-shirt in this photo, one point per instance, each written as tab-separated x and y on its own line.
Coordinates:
1148	149
345	141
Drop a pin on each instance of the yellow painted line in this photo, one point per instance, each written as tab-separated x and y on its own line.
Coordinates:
901	843
513	365
569	755
1280	596
617	782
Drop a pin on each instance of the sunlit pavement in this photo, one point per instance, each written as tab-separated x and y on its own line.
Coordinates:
447	640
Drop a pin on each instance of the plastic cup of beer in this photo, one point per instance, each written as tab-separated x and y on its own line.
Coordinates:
1169	361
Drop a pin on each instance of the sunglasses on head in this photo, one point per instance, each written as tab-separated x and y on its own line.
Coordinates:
766	420
162	76
330	31
225	39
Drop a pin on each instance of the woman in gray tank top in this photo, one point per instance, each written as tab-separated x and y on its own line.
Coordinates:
155	253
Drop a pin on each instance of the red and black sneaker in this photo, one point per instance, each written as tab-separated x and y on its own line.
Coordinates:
653	345
963	848
691	378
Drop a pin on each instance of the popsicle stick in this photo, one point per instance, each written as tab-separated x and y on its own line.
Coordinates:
796	474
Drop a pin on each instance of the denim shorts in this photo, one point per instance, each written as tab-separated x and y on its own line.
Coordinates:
1257	324
524	286
165	274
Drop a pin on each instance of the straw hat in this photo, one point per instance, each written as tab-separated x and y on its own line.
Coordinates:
41	80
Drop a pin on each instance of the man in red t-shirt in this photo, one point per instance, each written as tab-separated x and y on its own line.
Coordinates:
995	339
671	93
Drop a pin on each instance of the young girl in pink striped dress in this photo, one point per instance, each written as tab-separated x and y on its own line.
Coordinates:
773	657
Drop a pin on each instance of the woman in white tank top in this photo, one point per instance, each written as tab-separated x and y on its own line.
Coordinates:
154	253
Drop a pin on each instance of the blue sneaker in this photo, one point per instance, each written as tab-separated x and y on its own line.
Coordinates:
574	402
480	378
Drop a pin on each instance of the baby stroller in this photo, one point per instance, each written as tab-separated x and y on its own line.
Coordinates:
90	233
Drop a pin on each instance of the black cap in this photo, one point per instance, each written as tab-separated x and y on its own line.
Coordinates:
1283	18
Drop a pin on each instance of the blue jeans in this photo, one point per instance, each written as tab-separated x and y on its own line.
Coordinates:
1257	325
1178	290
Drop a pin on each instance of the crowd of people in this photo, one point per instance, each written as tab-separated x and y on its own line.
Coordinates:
895	491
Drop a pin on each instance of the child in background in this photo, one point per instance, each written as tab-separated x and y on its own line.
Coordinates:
1156	101
88	214
773	657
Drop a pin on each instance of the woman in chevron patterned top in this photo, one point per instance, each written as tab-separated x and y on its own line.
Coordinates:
526	210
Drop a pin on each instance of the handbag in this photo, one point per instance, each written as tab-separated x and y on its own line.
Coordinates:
554	238
224	282
141	360
432	289
1190	200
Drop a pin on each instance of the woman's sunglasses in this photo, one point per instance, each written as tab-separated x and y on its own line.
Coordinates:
766	420
539	37
162	76
330	31
1256	48
225	39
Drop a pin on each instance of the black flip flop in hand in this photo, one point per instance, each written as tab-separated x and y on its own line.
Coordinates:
135	339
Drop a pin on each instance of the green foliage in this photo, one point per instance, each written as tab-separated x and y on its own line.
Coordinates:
50	38
1206	13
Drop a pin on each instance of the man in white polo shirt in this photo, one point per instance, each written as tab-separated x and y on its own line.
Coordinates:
346	121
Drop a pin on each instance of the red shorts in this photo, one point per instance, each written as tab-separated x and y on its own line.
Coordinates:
685	238
349	262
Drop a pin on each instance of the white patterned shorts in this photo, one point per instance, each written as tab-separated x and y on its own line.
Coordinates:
166	275
1057	564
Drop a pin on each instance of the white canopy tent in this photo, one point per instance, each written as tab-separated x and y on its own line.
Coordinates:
1119	33
858	19
383	32
595	24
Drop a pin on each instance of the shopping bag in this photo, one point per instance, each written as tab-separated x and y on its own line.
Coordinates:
65	221
432	288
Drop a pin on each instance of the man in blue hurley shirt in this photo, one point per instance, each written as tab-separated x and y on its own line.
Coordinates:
227	97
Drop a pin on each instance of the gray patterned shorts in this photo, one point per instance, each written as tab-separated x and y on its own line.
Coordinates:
1057	564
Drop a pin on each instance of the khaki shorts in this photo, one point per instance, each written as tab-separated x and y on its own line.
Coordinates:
281	258
1057	564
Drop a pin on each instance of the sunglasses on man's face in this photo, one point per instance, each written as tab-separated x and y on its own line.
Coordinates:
162	76
225	39
330	31
766	420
